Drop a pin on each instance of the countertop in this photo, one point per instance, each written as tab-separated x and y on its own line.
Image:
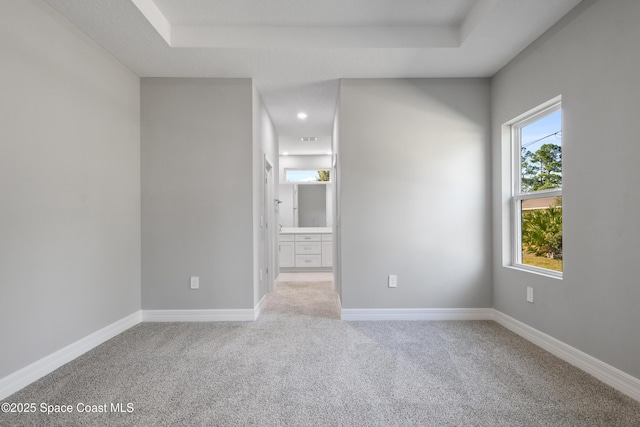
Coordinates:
306	230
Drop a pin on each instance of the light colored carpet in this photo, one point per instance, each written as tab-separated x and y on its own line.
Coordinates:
302	367
314	299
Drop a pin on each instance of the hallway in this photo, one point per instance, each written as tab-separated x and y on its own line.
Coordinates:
304	294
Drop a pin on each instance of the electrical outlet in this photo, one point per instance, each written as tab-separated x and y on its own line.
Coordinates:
195	282
393	281
530	294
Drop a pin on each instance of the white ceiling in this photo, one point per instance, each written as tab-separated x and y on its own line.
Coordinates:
297	50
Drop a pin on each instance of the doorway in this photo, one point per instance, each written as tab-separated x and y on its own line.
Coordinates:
306	243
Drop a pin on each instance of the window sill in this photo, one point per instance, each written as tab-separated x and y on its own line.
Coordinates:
539	271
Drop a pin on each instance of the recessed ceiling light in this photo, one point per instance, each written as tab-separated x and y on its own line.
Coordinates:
308	139
329	153
285	153
302	115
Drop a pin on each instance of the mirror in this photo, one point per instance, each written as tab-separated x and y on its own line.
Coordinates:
305	205
306	191
312	206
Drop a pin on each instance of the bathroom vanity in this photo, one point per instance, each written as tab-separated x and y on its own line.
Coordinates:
306	248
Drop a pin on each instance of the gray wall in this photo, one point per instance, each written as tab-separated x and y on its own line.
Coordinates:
592	59
69	186
197	193
415	193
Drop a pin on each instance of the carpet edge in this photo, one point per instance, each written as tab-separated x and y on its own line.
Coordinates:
366	314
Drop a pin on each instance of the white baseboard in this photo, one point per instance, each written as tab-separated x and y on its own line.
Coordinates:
215	315
258	310
38	369
614	377
352	314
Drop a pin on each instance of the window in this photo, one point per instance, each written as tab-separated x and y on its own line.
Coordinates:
536	203
302	176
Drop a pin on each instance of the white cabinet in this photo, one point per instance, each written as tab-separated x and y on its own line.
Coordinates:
327	254
306	250
308	261
311	248
308	237
287	251
327	250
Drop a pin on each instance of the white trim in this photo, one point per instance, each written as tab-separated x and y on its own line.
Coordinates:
258	309
219	315
540	194
515	173
614	377
38	369
536	112
537	270
608	374
155	17
417	314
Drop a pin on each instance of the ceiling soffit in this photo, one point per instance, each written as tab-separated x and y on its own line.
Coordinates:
296	51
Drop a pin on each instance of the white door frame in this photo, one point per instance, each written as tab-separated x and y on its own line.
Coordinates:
269	211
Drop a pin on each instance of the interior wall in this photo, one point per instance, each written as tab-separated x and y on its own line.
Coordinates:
591	58
197	193
415	193
69	185
265	147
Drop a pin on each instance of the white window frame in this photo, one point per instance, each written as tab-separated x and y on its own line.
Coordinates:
517	196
